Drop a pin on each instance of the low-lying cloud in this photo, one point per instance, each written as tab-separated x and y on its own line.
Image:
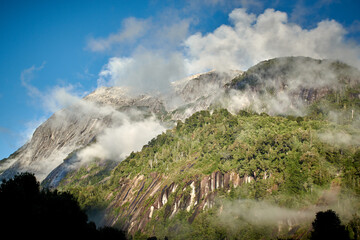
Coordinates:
118	133
281	103
116	143
234	213
261	213
340	138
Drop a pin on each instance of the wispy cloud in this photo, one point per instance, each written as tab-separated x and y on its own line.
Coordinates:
132	28
85	75
302	11
118	142
354	27
223	5
27	75
5	130
52	99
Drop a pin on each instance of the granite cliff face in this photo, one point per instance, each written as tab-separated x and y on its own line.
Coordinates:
53	141
196	195
75	127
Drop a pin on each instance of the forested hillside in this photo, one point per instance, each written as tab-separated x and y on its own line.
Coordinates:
292	165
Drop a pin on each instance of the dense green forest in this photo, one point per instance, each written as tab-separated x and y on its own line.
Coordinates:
294	162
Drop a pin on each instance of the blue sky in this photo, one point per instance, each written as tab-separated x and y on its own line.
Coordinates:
53	47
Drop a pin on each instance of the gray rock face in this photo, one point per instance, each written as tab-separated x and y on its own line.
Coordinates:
53	141
199	91
73	128
203	85
120	99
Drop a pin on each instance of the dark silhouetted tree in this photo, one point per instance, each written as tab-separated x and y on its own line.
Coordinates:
27	211
327	225
354	227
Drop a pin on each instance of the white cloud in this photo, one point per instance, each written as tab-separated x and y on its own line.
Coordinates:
118	142
251	39
145	71
53	99
166	32
132	28
155	62
26	76
355	26
60	97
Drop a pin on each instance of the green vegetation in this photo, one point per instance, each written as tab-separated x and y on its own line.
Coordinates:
253	145
292	160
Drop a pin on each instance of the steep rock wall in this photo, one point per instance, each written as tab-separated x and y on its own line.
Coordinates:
138	199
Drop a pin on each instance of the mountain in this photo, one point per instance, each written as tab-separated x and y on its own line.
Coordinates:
192	181
281	138
199	92
77	126
73	128
289	85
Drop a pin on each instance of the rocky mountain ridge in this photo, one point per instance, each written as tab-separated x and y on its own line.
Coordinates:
276	86
288	85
